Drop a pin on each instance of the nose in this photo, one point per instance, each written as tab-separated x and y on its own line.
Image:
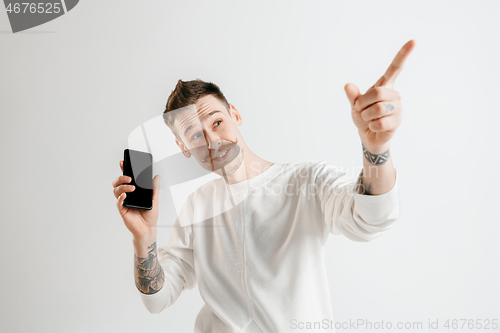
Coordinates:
212	141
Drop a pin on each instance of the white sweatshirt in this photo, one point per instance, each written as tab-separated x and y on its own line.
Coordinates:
260	266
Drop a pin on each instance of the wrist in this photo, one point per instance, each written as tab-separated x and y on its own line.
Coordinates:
146	239
379	149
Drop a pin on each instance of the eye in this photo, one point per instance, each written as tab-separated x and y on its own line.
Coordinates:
196	136
218	121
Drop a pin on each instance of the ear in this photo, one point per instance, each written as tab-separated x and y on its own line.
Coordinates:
183	148
235	115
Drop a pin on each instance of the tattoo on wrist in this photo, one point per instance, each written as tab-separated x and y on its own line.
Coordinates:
149	276
376	159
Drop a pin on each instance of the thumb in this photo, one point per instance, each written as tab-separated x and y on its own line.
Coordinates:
352	93
156	188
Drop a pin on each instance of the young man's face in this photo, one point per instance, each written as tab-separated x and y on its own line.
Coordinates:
211	135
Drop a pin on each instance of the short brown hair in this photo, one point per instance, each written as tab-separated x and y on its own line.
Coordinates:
187	93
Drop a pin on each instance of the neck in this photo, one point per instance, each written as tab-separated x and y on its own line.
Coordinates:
251	166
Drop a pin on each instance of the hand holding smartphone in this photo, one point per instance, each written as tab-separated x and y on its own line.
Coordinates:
139	166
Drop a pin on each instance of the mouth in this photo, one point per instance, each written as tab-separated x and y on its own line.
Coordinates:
222	156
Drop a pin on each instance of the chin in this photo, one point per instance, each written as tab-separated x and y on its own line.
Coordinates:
231	167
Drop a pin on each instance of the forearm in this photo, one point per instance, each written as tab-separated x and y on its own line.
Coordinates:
149	275
379	175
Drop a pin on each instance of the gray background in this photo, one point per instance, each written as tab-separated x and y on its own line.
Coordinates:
73	89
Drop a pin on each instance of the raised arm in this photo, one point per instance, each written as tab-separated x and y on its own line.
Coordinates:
161	273
149	275
161	278
359	217
377	115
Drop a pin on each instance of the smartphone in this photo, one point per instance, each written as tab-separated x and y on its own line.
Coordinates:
139	166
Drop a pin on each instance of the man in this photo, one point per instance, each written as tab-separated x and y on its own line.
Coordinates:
254	239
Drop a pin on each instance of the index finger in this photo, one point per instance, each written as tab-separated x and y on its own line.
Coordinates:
397	65
121	165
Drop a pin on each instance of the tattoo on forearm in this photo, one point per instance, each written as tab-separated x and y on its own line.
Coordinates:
367	189
361	186
149	276
376	159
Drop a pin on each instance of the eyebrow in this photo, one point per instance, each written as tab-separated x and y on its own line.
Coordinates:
206	116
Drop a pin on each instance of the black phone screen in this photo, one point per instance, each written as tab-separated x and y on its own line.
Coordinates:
139	166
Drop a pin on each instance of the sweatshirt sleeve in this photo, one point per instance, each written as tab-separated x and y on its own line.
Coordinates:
177	261
359	217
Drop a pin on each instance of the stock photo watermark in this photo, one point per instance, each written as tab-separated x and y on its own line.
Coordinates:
365	324
183	169
25	15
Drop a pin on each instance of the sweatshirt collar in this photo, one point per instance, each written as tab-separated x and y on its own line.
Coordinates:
256	181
